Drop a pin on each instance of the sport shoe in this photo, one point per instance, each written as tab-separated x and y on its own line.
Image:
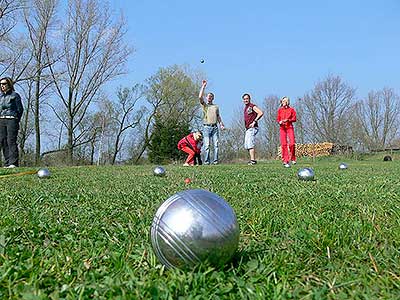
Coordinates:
186	165
252	162
215	163
294	162
286	165
11	167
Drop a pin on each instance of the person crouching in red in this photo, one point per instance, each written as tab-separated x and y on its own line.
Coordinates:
189	144
286	118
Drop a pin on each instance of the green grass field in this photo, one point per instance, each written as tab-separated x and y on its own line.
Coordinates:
84	233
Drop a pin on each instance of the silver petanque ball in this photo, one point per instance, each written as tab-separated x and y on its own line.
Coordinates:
194	226
159	171
43	173
343	166
306	174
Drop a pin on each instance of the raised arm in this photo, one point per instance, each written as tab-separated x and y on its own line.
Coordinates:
201	93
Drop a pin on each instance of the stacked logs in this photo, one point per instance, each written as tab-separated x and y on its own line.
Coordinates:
318	149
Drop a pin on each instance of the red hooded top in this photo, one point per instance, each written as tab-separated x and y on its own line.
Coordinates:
189	141
286	113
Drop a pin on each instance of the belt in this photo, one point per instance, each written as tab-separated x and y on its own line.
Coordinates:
211	125
7	117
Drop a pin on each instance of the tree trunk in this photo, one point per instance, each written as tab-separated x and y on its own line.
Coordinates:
37	119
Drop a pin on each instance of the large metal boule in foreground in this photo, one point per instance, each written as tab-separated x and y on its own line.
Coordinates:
306	174
194	226
343	166
159	171
43	173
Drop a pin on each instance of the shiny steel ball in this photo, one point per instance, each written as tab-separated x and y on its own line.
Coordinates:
343	166
192	227
306	174
159	171
387	158
202	61
43	173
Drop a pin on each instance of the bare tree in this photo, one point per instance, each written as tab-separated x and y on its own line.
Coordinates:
326	107
125	116
378	118
26	125
38	20
271	132
8	20
94	53
232	138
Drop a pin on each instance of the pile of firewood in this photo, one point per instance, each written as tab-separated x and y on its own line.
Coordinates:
315	150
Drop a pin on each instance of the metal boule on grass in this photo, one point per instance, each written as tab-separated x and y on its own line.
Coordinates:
343	166
159	171
192	227
43	173
306	174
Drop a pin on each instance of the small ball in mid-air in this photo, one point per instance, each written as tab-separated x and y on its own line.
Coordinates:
202	61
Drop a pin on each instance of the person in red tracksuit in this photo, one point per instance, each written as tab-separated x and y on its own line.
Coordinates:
286	117
189	144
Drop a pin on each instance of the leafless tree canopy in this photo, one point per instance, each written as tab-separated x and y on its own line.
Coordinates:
94	52
377	119
39	19
270	107
126	116
8	20
325	110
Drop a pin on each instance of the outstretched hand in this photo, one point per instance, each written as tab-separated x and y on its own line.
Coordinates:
204	82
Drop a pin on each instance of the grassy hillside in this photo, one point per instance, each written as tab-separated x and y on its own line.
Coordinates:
84	233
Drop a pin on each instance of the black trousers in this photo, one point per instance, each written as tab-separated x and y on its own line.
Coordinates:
8	137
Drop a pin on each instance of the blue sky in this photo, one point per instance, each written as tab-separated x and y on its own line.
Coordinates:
266	47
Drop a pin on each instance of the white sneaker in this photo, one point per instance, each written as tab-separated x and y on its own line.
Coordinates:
286	165
186	165
11	167
294	162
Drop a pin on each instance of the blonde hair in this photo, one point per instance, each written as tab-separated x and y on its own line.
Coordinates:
197	135
285	97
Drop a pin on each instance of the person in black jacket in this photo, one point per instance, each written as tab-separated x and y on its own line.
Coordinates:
11	110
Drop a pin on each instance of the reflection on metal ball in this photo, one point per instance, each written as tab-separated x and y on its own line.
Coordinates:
192	227
43	173
306	174
202	61
159	171
343	166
